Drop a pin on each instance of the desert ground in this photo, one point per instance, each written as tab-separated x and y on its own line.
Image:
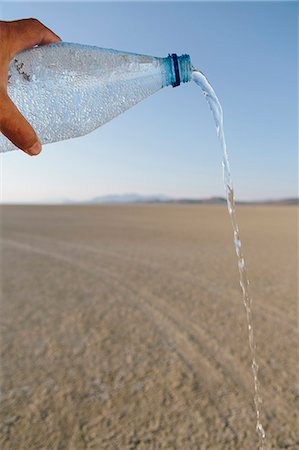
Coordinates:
122	327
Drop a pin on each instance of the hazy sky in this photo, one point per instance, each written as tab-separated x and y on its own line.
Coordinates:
167	144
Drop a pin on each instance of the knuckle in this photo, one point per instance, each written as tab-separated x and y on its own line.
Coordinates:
35	22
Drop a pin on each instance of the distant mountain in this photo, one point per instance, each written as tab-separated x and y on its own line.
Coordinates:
205	201
286	201
161	198
222	200
283	201
130	198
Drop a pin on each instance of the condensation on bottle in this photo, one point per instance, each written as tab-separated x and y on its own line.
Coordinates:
67	90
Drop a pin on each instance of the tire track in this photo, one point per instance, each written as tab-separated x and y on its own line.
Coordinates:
278	316
191	355
204	341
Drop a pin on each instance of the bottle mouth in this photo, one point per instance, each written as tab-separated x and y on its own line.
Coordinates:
181	69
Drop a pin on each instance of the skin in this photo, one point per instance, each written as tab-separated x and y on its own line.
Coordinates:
16	36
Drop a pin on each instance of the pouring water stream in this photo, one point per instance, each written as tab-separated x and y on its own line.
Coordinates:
216	109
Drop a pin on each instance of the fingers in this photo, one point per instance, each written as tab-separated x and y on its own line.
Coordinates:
27	33
16	128
16	36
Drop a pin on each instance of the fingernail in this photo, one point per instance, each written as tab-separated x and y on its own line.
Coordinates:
35	149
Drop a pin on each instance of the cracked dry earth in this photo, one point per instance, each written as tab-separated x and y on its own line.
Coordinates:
122	327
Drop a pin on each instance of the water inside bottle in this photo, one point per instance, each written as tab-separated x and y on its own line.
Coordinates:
217	112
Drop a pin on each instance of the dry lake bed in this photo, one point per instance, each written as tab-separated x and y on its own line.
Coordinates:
122	327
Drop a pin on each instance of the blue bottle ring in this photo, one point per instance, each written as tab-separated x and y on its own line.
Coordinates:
177	81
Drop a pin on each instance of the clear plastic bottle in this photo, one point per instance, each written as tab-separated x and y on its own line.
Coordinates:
67	90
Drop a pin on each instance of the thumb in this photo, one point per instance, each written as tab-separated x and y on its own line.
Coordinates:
16	128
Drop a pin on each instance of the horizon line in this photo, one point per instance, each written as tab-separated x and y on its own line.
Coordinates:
149	199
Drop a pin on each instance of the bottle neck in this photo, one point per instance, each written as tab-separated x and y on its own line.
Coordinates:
177	70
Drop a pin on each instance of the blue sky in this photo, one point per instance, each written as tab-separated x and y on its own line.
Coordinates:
167	144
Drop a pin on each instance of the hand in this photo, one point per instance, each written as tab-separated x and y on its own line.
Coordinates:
14	37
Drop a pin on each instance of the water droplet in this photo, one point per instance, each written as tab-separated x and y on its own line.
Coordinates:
241	263
260	430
